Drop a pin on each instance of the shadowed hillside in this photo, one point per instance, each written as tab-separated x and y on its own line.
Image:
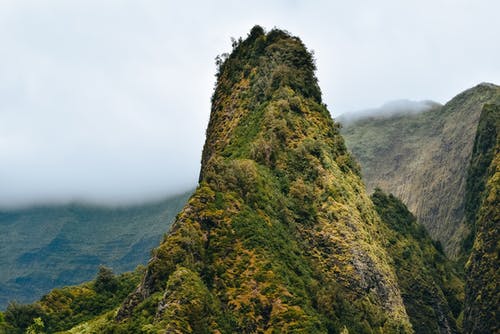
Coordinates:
51	246
482	293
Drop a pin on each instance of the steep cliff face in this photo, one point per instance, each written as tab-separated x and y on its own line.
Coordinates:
423	159
280	234
482	293
431	286
444	164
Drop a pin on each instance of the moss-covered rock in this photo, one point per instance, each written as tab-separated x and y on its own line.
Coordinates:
280	236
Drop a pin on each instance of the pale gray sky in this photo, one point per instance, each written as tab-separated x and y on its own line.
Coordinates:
109	100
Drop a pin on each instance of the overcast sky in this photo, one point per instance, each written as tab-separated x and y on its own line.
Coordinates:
108	101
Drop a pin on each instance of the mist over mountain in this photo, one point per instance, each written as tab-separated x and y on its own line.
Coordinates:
105	101
423	158
388	109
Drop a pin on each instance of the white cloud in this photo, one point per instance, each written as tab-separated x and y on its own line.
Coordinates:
109	100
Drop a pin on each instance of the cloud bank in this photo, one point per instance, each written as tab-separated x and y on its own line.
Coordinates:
108	101
388	109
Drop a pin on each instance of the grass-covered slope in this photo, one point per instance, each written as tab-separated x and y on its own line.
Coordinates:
423	159
51	246
482	307
432	287
280	234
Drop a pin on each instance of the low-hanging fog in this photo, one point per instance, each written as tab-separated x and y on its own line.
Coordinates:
391	108
108	101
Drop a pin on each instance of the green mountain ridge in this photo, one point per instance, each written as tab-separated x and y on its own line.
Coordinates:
482	310
423	159
444	164
280	229
280	235
432	287
50	246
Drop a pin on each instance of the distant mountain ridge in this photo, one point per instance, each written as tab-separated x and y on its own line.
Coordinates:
389	109
445	164
423	159
49	246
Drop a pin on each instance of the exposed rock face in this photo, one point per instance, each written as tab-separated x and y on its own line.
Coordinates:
423	159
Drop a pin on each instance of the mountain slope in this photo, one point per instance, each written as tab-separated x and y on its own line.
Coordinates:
461	138
482	310
280	234
431	286
423	159
50	246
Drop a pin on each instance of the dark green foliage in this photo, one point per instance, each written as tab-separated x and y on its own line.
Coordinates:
18	317
292	65
105	281
432	287
477	174
482	309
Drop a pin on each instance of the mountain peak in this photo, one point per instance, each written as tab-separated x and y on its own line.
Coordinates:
488	85
260	68
280	232
280	235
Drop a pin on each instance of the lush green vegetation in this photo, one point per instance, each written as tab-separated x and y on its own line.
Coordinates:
444	164
61	309
423	158
279	236
482	310
431	285
483	153
51	246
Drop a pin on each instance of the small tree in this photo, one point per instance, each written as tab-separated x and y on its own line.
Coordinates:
105	280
